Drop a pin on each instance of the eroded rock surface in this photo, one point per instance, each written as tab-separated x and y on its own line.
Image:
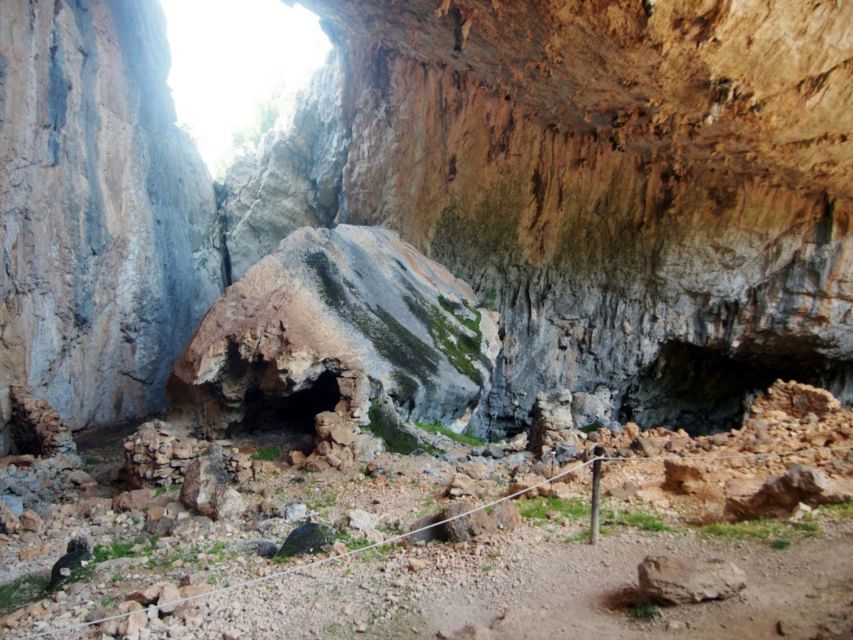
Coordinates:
343	317
109	233
657	202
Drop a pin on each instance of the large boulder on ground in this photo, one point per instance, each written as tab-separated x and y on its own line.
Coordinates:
780	495
674	580
327	311
203	481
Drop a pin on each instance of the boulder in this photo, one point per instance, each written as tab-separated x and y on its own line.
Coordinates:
294	512
592	408
361	520
133	500
9	522
780	495
306	538
31	521
205	489
350	304
684	477
674	580
466	527
201	480
228	504
428	534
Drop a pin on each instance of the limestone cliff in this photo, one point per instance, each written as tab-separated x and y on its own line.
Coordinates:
109	233
655	196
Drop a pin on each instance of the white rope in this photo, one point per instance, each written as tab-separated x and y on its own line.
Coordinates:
736	456
309	565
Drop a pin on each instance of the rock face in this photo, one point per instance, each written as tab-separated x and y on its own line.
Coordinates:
293	182
335	321
109	231
667	217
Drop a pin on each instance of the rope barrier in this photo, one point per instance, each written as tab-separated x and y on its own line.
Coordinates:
739	456
351	553
309	565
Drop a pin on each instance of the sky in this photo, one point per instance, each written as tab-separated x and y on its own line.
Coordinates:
229	56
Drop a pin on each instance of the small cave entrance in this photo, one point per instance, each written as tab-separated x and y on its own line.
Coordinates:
289	419
704	390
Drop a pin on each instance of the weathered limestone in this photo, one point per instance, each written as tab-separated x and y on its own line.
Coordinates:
683	192
109	235
344	317
673	580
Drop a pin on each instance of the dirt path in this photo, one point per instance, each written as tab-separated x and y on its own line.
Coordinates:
576	591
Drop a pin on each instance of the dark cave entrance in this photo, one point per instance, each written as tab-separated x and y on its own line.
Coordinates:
291	416
704	390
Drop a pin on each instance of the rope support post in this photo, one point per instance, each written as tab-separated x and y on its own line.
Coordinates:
598	452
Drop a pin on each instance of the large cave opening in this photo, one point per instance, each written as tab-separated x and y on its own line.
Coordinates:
237	68
704	390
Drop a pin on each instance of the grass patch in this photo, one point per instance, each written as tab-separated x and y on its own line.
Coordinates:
161	491
445	431
644	612
21	591
641	520
765	529
780	543
841	511
552	509
266	453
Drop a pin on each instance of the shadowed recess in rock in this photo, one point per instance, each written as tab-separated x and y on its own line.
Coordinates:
705	390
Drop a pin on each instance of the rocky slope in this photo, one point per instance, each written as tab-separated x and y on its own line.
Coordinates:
109	233
656	198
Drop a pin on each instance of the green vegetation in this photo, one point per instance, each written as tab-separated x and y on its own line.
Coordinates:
445	431
395	437
116	549
490	300
461	348
91	462
642	520
764	529
266	453
645	611
21	591
841	511
172	488
553	509
780	543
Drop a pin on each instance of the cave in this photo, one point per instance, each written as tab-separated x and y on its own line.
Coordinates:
291	415
705	390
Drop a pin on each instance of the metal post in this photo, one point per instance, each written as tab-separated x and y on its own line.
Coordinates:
597	451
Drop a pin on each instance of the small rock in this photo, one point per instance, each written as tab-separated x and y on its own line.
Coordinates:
31	521
9	522
169	594
361	520
294	512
